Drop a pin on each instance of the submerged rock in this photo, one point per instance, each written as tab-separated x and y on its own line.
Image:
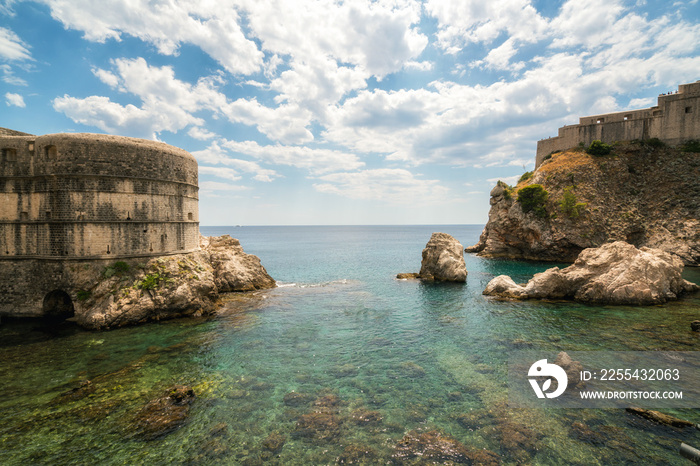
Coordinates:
443	260
318	426
615	273
660	418
164	414
436	447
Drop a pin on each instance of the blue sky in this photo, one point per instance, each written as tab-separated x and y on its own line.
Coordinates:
340	112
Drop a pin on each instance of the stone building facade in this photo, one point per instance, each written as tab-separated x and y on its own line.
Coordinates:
68	199
674	120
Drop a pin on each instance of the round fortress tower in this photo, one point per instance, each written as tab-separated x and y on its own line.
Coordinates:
82	196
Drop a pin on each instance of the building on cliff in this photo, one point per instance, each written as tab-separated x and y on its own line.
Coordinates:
674	120
68	199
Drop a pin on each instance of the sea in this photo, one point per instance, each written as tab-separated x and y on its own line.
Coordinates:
340	364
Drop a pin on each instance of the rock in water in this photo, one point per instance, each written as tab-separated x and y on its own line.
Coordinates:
164	414
443	259
615	273
234	270
167	286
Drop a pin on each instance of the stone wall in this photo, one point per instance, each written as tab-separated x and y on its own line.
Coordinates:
95	196
674	120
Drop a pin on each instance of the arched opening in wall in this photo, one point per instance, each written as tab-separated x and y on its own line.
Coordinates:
51	152
58	305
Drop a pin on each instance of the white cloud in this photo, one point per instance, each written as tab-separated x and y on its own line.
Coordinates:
212	26
316	161
397	186
220	172
14	99
169	104
12	47
216	155
201	134
461	22
9	77
213	186
419	65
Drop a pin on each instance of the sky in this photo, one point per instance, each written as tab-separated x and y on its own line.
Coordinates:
340	112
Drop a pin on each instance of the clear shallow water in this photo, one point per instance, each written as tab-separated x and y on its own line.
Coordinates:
398	355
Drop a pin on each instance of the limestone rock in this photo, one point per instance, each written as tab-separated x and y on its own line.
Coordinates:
167	286
234	270
443	259
615	273
504	286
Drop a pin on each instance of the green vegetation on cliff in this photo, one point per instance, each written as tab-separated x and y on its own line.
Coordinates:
532	198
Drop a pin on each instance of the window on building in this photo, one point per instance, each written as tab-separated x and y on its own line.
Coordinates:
600	120
30	147
24	215
189	216
627	117
51	152
48	214
9	155
688	109
657	113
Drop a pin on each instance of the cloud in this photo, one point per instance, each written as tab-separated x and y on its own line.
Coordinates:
398	186
220	172
14	99
208	187
316	161
200	133
12	47
9	77
215	154
169	104
215	27
461	22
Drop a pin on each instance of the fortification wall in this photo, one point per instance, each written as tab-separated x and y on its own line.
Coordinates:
95	196
674	120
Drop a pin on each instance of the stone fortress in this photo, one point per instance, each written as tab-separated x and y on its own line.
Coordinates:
67	200
674	120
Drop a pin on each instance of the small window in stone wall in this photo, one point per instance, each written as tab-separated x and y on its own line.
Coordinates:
30	147
24	215
627	117
657	113
9	155
688	109
189	216
48	215
51	152
600	120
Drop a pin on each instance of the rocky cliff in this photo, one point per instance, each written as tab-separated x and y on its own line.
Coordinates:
641	193
127	292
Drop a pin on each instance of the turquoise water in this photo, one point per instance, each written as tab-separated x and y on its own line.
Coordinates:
380	357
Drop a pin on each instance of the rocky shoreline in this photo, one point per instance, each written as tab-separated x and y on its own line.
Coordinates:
109	294
615	273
